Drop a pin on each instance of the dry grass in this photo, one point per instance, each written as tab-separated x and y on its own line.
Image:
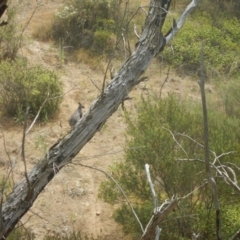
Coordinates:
95	62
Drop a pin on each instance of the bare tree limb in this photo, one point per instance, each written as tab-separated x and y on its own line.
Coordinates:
152	229
179	23
236	235
162	212
155	200
29	192
165	80
176	141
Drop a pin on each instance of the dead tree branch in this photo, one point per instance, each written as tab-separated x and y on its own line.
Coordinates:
180	22
29	192
152	229
236	235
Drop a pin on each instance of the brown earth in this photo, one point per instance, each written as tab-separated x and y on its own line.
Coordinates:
70	201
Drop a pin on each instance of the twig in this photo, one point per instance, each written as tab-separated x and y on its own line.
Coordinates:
165	80
238	168
222	172
170	35
143	10
94	84
119	187
36	117
155	200
9	158
124	46
176	141
195	190
135	31
23	152
40	109
25	27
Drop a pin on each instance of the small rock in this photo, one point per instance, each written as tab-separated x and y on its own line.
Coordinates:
98	213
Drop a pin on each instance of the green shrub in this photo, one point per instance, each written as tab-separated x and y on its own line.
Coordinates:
150	142
22	86
103	42
21	233
229	92
71	236
82	23
221	45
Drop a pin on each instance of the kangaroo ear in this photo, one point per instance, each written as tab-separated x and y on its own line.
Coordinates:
80	105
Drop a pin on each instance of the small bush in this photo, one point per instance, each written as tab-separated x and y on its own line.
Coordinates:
83	23
231	97
22	86
103	42
221	45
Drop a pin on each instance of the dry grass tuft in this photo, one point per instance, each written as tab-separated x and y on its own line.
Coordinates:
93	61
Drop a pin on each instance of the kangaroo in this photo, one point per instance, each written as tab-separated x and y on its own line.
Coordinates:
76	115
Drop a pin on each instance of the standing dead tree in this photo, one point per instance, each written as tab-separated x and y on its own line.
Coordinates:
210	177
62	152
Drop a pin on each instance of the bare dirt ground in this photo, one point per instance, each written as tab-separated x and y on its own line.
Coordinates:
70	201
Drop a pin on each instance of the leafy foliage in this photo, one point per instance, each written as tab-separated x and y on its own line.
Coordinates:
229	90
175	171
88	24
220	43
22	86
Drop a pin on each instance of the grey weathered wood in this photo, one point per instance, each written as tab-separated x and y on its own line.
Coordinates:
61	153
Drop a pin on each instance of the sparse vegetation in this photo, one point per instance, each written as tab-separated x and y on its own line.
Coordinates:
21	233
71	236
